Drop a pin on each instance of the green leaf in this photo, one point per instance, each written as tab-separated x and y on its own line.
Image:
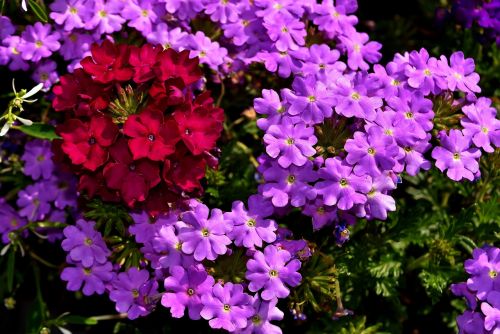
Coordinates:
39	130
10	270
39	10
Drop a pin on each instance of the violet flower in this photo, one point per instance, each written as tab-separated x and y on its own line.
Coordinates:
264	313
456	156
37	159
227	307
360	52
250	226
205	237
481	124
271	105
459	74
484	269
273	271
38	41
286	31
10	221
106	17
184	289
92	278
71	13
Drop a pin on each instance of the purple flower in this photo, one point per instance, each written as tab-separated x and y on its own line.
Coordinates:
93	278
210	53
75	45
286	31
491	311
284	62
422	72
460	75
372	152
6	27
456	156
168	38
167	244
221	11
106	18
37	159
65	190
354	97
184	288
310	100
134	293
205	237
244	30
481	124
84	244
291	144
333	19
70	13
39	42
34	201
250	226
414	156
142	14
227	307
378	202
183	9
278	7
322	215
12	51
271	270
323	62
264	313
461	290
417	112
289	185
145	227
360	52
10	221
470	323
341	186
269	104
484	269
46	73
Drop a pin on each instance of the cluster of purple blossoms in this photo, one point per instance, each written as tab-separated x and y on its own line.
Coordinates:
50	198
270	32
337	141
481	292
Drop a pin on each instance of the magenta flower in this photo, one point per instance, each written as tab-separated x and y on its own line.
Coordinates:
323	62
221	11
84	244
271	270
378	202
332	19
422	72
70	13
456	156
484	269
283	62
134	293
184	289
271	105
38	41
227	307
264	313
310	100
142	14
360	52
168	38
205	237
372	152
481	124
250	226
459	74
286	31
291	144
341	186
210	53
289	185
92	278
37	159
168	245
107	16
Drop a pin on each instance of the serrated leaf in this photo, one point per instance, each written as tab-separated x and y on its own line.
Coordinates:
39	130
39	10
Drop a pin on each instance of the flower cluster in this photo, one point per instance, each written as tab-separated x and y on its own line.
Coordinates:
268	32
337	140
50	198
135	129
481	291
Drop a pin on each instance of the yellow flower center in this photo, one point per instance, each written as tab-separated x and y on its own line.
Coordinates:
204	232
251	222
456	156
343	182
273	273
371	151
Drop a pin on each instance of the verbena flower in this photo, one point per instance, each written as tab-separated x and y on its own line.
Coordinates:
93	279
484	269
264	313
272	271
38	41
481	124
37	159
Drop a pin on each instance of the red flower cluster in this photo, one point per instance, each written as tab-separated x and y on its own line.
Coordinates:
135	131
